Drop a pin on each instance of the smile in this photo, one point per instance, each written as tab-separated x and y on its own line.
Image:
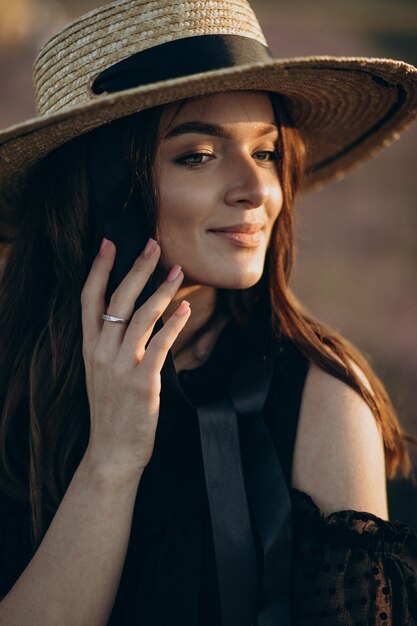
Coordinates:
247	240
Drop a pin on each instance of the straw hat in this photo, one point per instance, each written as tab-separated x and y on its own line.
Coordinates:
134	54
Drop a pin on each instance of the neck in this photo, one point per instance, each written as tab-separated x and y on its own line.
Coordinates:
202	301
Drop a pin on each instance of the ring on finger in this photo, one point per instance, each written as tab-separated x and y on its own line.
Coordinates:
115	320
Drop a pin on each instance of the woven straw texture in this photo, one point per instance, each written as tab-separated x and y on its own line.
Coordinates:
64	67
346	108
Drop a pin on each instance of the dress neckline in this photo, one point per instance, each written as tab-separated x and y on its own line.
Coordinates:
196	371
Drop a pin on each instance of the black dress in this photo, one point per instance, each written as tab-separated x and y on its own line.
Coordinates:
348	568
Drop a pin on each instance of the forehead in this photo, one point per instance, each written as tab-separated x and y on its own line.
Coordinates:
231	108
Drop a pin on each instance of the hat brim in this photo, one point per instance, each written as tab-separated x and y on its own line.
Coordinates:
347	110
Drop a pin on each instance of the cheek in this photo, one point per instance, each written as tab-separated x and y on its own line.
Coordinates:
275	204
183	212
182	202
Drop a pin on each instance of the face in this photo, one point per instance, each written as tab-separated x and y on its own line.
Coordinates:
216	169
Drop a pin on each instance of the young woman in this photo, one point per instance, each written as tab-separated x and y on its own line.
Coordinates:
180	442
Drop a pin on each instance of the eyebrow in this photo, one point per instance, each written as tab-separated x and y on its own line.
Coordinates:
214	130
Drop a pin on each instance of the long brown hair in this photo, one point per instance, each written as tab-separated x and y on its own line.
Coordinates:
44	422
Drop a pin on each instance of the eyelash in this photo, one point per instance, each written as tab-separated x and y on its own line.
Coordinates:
183	160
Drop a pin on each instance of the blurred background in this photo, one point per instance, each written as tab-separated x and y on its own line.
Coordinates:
356	267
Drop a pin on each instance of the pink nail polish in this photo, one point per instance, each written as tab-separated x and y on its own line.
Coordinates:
150	248
105	247
174	273
183	308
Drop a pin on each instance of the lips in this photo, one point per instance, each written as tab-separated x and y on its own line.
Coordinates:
245	235
239	228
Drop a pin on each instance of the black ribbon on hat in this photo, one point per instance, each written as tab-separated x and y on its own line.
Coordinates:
182	57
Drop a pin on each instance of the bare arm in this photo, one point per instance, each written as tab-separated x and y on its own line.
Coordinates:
339	453
74	575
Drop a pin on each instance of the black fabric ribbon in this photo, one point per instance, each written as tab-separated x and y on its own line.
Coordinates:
232	532
267	490
266	487
182	57
246	488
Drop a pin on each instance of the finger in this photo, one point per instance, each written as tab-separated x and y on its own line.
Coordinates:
123	300
143	322
93	293
160	344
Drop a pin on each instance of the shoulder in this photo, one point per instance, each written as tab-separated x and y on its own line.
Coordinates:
339	455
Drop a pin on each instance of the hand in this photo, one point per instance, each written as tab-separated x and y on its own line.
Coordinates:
123	378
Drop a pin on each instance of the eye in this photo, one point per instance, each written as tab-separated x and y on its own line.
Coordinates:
268	155
193	159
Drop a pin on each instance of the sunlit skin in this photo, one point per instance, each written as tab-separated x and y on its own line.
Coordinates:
208	182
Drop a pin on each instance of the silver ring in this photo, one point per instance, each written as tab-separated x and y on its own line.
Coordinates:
116	320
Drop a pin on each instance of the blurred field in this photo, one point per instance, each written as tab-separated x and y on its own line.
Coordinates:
356	239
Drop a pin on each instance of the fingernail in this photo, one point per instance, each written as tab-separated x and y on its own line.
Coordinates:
150	248
183	308
105	247
174	273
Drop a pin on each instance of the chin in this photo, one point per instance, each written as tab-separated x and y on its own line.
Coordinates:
241	281
227	274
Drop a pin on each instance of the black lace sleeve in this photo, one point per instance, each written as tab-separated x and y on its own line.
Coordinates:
351	568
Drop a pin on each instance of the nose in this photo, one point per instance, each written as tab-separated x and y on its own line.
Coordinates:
249	185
